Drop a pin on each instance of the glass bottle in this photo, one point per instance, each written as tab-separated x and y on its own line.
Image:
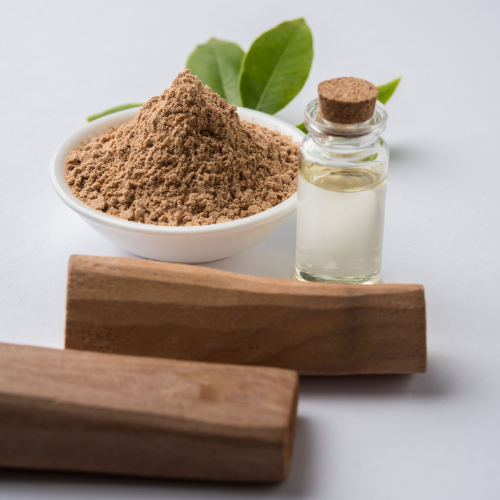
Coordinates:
341	199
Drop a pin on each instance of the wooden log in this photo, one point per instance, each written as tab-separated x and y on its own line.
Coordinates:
148	308
93	412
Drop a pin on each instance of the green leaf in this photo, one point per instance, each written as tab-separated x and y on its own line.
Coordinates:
276	66
217	64
385	91
301	126
112	110
372	157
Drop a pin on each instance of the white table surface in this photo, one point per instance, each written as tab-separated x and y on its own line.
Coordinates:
433	436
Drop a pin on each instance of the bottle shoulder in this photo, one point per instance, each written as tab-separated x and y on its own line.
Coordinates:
377	150
356	168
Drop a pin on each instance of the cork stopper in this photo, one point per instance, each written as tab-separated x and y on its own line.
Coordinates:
347	100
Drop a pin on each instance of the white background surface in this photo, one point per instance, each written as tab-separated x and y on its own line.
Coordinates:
433	436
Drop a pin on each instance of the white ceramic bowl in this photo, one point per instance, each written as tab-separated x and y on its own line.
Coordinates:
192	244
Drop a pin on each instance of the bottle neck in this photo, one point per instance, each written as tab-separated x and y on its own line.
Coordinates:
337	136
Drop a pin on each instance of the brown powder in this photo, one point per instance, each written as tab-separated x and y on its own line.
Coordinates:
186	159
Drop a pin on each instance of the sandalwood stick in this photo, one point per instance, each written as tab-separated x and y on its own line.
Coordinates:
93	412
148	308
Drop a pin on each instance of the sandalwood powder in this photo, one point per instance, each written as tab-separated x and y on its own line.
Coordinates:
186	159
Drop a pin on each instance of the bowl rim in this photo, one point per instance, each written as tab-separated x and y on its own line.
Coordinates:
96	127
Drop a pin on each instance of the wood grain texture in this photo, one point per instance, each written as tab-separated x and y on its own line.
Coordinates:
93	412
148	308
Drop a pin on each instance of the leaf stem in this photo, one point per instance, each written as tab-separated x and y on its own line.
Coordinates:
112	110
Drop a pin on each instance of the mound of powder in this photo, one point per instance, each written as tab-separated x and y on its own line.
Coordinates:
186	159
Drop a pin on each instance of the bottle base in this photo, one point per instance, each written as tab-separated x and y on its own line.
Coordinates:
370	279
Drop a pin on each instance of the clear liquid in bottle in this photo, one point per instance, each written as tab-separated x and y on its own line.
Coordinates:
340	218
